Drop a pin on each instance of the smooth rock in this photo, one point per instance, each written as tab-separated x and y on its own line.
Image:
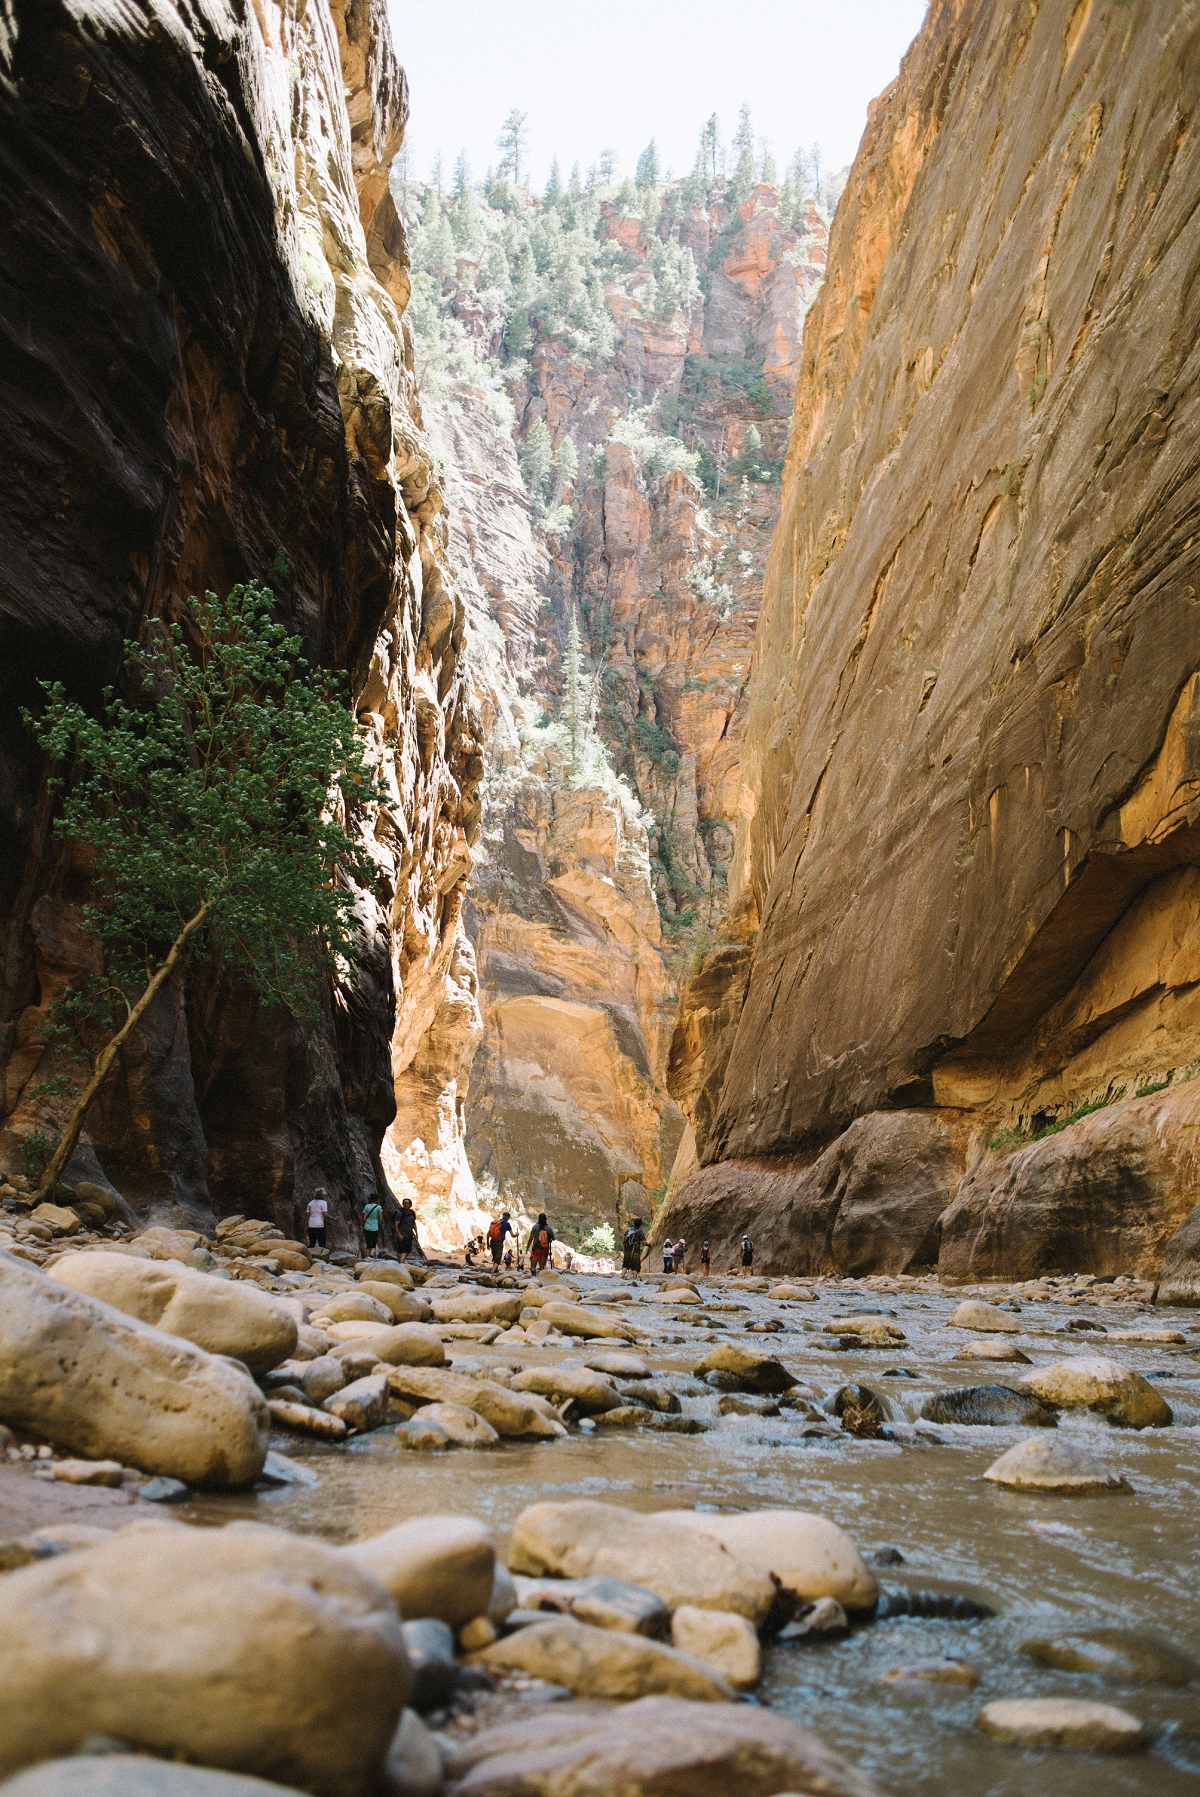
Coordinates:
404	1344
166	1244
58	1217
1092	1382
166	1491
1062	1722
583	1538
726	1644
480	1632
321	1378
825	1617
503	1600
414	1765
604	1602
91	1379
471	1305
804	1554
89	1472
749	1369
590	1392
133	1775
510	1413
1048	1463
433	1566
403	1304
385	1272
932	1672
422	1436
658	1397
573	1319
624	1416
462	1428
877	1328
656	1747
619	1366
362	1405
353	1307
611	1663
1119	1653
993	1350
429	1644
208	1643
792	1294
732	1403
996	1405
224	1316
308	1419
976	1313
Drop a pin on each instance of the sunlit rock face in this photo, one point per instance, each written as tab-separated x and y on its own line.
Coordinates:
967	831
210	380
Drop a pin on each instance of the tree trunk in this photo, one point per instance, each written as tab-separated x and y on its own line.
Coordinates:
108	1055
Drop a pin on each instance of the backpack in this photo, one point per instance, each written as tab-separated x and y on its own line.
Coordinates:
543	1238
494	1231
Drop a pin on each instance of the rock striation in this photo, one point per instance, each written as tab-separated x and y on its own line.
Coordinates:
210	379
963	950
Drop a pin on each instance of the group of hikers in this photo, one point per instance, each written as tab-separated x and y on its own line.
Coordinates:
674	1254
404	1225
500	1230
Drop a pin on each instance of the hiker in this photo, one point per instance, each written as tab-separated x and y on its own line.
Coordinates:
705	1259
406	1231
469	1252
540	1238
632	1246
498	1228
508	1260
372	1218
747	1254
318	1210
668	1256
681	1257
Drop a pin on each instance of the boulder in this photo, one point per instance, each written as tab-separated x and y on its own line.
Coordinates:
133	1775
405	1306
320	1378
605	1603
404	1344
226	1316
993	1350
59	1218
975	1313
166	1244
308	1419
474	1305
997	1405
1093	1382
385	1272
509	1412
609	1663
653	1747
745	1369
1115	1652
1063	1722
245	1648
588	1391
362	1405
573	1319
433	1566
462	1428
867	1326
421	1436
806	1556
619	1366
792	1294
583	1538
1050	1464
726	1644
106	1386
429	1644
353	1307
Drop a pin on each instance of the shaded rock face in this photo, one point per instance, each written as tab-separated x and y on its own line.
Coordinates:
208	380
970	784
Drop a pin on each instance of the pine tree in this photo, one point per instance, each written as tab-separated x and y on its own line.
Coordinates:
512	140
462	175
768	172
576	711
745	173
437	179
566	467
608	167
554	186
649	170
708	152
535	458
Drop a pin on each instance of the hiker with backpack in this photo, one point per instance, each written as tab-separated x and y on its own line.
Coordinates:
632	1248
747	1255
540	1238
498	1228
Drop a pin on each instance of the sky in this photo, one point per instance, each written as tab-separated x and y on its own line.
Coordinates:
610	76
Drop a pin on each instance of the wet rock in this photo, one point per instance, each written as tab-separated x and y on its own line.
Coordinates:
89	1472
993	1350
733	1403
361	1405
573	1319
462	1428
726	1644
656	1746
166	1491
404	1305
624	1416
583	1538
429	1644
1105	1386
877	1330
133	1775
404	1344
975	1313
308	1419
619	1366
996	1405
604	1602
509	1412
146	1629
862	1411
422	1436
825	1617
590	1392
433	1566
1045	1464
1062	1722
472	1305
744	1369
932	1672
224	1316
656	1396
792	1294
885	1556
106	1386
353	1307
595	1662
1117	1652
414	1764
673	1425
805	1556
945	1606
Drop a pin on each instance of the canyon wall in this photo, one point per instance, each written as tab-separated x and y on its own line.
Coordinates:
208	379
956	1013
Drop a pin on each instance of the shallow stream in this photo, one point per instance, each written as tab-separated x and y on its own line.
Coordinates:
1044	1563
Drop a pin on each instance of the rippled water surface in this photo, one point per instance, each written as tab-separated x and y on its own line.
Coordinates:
1045	1564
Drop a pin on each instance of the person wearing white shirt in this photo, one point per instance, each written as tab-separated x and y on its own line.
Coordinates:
318	1210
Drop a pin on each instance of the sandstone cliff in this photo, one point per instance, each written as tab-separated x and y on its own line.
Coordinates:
957	1015
207	379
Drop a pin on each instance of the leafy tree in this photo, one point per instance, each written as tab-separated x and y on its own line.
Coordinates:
513	138
649	169
210	807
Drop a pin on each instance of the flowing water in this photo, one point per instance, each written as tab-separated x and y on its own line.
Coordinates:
1044	1563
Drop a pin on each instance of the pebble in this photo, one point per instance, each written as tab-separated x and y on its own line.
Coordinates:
1062	1722
932	1672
